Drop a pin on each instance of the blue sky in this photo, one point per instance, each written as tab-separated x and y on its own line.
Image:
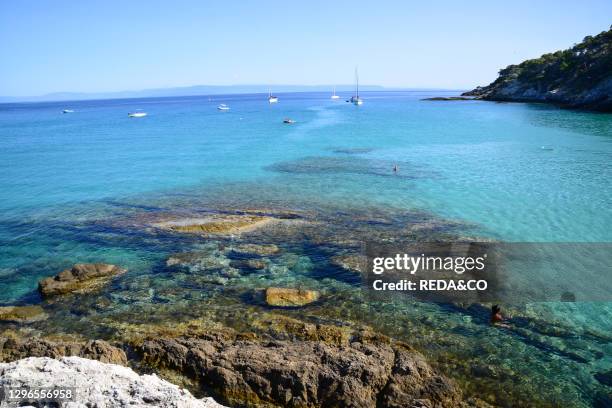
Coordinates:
99	46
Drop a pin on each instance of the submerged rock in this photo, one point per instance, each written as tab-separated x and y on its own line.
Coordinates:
351	263
251	264
98	384
287	297
255	249
604	377
22	314
217	224
199	261
304	373
80	278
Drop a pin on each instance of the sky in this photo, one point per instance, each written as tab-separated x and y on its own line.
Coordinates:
103	46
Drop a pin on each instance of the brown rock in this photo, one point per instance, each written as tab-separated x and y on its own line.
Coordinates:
14	349
79	278
304	373
287	297
22	314
104	352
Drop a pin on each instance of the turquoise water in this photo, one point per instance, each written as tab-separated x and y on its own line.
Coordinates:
476	161
71	184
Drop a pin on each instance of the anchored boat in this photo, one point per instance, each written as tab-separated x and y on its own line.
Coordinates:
272	98
355	99
137	114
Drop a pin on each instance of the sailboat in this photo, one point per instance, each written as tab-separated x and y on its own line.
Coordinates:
334	96
272	98
355	99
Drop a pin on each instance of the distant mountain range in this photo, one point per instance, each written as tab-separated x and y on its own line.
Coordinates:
187	91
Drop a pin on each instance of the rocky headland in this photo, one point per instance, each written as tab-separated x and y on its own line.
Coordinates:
579	77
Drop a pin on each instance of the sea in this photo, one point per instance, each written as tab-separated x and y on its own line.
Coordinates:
74	187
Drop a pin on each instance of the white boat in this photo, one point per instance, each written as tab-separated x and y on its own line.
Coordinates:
223	107
68	111
137	114
334	96
272	98
288	121
355	99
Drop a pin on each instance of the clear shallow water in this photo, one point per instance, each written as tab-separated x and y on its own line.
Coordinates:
69	182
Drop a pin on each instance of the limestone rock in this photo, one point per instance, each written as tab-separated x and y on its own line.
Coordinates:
98	384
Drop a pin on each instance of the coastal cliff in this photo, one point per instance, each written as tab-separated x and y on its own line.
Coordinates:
579	77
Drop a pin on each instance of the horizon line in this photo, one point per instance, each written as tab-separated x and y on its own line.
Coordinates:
75	96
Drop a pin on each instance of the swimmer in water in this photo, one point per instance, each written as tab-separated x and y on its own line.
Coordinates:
395	168
496	316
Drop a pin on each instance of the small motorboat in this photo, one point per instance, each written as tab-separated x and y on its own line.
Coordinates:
68	111
288	121
223	107
137	114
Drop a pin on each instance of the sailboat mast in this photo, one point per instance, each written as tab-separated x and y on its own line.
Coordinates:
356	82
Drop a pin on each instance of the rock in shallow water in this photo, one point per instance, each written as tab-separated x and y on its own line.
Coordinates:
217	224
287	297
22	314
98	384
80	278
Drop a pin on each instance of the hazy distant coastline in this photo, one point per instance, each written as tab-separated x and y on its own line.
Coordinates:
197	90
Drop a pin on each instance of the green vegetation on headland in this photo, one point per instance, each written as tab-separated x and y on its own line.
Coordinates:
579	77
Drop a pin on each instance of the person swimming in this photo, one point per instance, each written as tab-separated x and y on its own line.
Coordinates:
395	168
496	316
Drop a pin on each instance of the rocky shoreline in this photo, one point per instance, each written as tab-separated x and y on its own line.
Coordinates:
577	78
239	311
285	362
291	364
362	369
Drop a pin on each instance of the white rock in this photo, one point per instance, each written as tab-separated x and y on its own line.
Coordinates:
97	384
